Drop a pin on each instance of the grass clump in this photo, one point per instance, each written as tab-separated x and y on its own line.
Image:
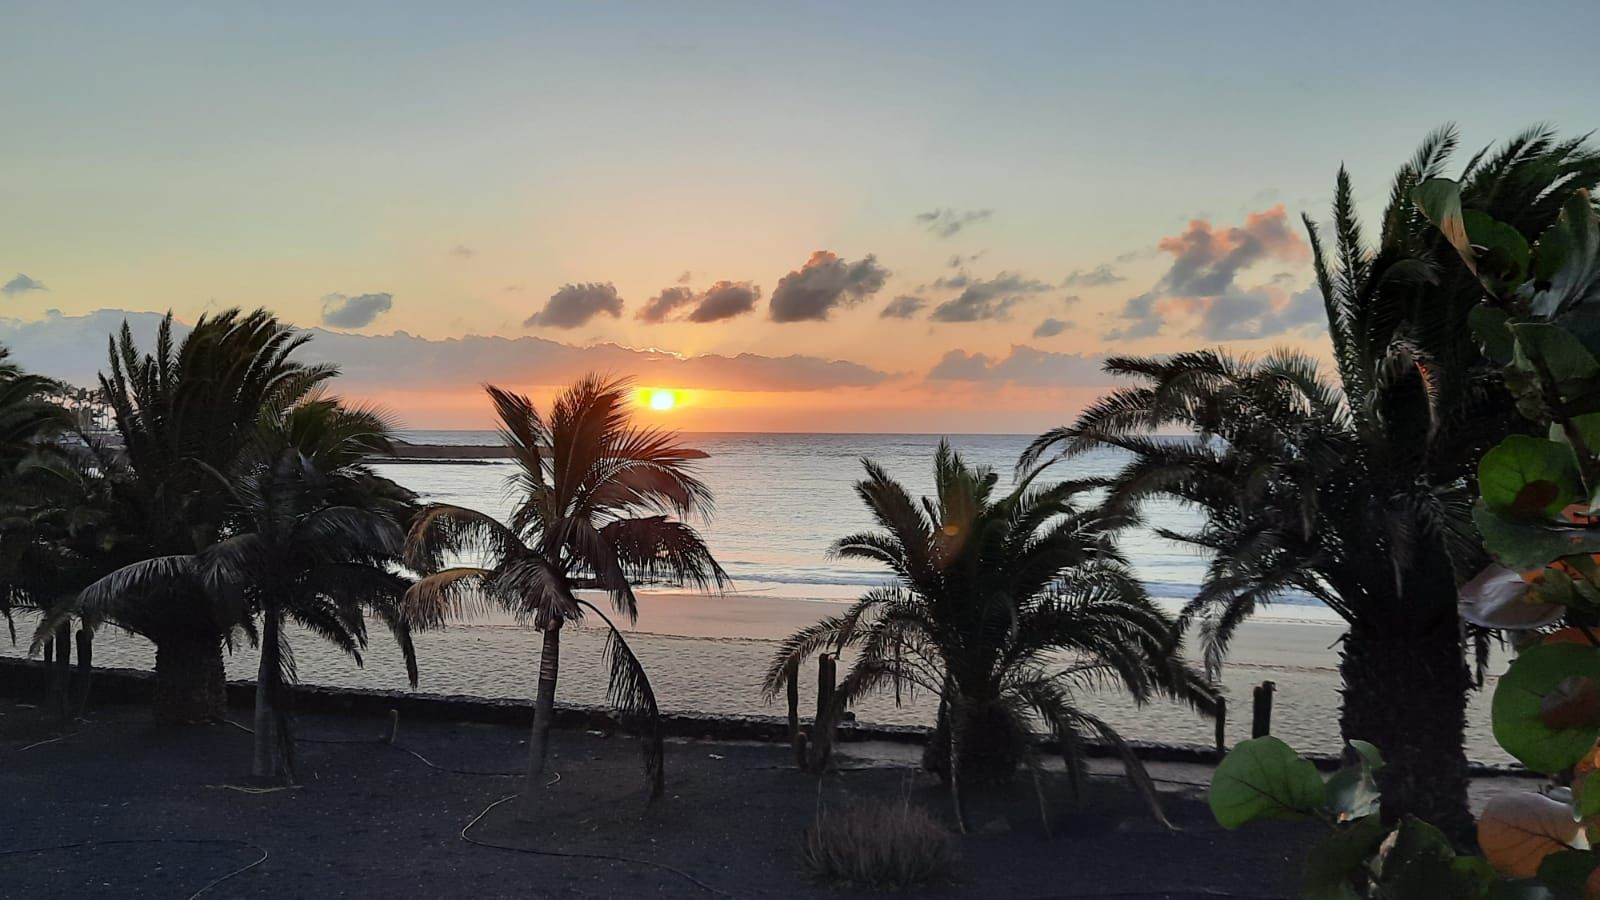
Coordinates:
880	845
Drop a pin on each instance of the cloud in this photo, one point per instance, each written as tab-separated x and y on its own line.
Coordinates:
73	348
1096	277
953	282
1049	328
722	300
686	277
21	285
1240	314
1207	259
991	299
575	304
823	284
1144	321
1201	285
1262	312
343	311
463	251
956	260
903	307
1024	365
948	222
664	304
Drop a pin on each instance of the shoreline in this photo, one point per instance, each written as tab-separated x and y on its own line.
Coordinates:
24	680
706	656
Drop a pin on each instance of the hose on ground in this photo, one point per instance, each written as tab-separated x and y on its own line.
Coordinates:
83	845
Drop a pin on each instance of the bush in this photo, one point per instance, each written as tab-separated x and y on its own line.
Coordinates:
880	845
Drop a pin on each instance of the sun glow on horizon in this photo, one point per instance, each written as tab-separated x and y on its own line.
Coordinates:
661	399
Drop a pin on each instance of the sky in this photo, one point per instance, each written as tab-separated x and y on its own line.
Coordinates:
902	217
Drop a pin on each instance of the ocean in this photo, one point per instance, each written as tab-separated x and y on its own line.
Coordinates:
781	499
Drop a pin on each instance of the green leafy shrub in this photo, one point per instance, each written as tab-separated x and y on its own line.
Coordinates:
881	845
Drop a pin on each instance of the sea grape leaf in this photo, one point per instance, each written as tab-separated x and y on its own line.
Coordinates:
1440	200
1368	753
1567	873
1573	703
1525	546
1338	863
1262	779
1498	597
1502	252
1546	738
1488	325
1518	831
1420	864
1588	426
1352	793
1529	476
1586	795
1576	279
1568	361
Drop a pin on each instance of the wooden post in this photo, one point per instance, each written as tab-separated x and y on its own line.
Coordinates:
1261	723
822	731
791	677
1222	725
81	680
825	683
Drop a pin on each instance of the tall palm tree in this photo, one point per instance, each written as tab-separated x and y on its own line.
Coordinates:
28	422
1358	491
314	540
1003	607
186	412
596	500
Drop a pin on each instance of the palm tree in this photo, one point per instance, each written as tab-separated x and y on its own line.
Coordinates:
1356	492
596	497
1003	607
67	529
28	423
316	534
27	418
187	412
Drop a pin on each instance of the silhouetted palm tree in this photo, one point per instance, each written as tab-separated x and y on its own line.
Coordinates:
68	528
315	537
28	423
1356	493
1003	607
186	412
595	500
27	418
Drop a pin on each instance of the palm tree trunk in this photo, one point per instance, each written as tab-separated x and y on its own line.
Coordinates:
1407	694
544	708
191	685
81	680
61	673
262	763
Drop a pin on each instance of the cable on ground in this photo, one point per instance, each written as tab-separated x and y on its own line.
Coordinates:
82	845
604	857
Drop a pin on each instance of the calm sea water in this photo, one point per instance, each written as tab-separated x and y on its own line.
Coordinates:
781	499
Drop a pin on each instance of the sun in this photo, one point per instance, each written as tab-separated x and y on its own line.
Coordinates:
661	399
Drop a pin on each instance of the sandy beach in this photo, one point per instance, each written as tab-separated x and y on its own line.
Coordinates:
708	654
